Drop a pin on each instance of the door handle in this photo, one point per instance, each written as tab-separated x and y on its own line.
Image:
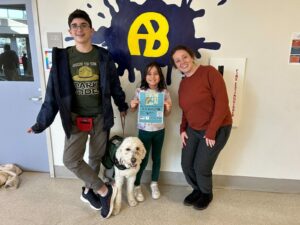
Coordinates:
36	99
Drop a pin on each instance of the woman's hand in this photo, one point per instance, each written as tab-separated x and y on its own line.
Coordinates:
183	138
210	142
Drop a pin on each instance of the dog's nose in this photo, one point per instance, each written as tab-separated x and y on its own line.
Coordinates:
133	160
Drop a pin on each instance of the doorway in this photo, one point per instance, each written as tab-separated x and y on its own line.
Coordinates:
20	91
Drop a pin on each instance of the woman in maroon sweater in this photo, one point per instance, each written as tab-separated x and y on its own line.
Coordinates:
205	126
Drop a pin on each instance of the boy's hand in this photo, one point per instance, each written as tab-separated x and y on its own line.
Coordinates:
123	114
29	130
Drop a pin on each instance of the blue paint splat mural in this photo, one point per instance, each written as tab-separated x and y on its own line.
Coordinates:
140	34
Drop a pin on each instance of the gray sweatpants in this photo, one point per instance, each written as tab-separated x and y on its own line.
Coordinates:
197	159
75	148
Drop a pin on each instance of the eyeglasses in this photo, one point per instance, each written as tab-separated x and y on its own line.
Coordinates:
82	26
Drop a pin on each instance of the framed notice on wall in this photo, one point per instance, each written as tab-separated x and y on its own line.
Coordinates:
47	59
294	57
233	70
151	107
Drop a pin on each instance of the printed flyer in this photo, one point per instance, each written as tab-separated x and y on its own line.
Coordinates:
151	107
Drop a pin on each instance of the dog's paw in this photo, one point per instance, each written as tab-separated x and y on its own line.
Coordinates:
116	211
105	180
132	202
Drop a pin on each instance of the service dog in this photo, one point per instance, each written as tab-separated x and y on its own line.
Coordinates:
127	162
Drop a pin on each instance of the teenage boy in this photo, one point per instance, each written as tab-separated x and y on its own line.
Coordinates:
82	81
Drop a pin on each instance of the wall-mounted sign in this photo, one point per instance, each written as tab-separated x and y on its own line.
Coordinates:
295	49
233	72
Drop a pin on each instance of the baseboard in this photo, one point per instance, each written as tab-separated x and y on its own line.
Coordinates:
219	181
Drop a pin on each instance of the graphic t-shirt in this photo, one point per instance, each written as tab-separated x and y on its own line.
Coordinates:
85	74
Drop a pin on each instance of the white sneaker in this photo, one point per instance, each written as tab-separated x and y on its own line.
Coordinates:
138	194
155	191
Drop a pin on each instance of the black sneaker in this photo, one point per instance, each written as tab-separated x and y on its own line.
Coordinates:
91	198
192	198
107	201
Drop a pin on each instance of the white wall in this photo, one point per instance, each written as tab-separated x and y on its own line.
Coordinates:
265	143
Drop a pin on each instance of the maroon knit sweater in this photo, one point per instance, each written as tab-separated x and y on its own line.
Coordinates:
204	101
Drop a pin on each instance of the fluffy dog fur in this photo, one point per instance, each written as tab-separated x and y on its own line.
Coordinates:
9	176
130	154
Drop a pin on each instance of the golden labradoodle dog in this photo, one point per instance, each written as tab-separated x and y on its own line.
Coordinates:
127	162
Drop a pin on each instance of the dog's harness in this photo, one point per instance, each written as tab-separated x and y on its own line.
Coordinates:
109	159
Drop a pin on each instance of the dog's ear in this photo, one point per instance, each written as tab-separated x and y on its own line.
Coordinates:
141	146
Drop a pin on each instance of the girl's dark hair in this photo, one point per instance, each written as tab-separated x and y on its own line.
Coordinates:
78	13
161	85
181	47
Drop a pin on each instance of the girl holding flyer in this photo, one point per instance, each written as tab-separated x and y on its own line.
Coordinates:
150	97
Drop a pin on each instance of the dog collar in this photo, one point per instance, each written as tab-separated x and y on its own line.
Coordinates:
118	165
